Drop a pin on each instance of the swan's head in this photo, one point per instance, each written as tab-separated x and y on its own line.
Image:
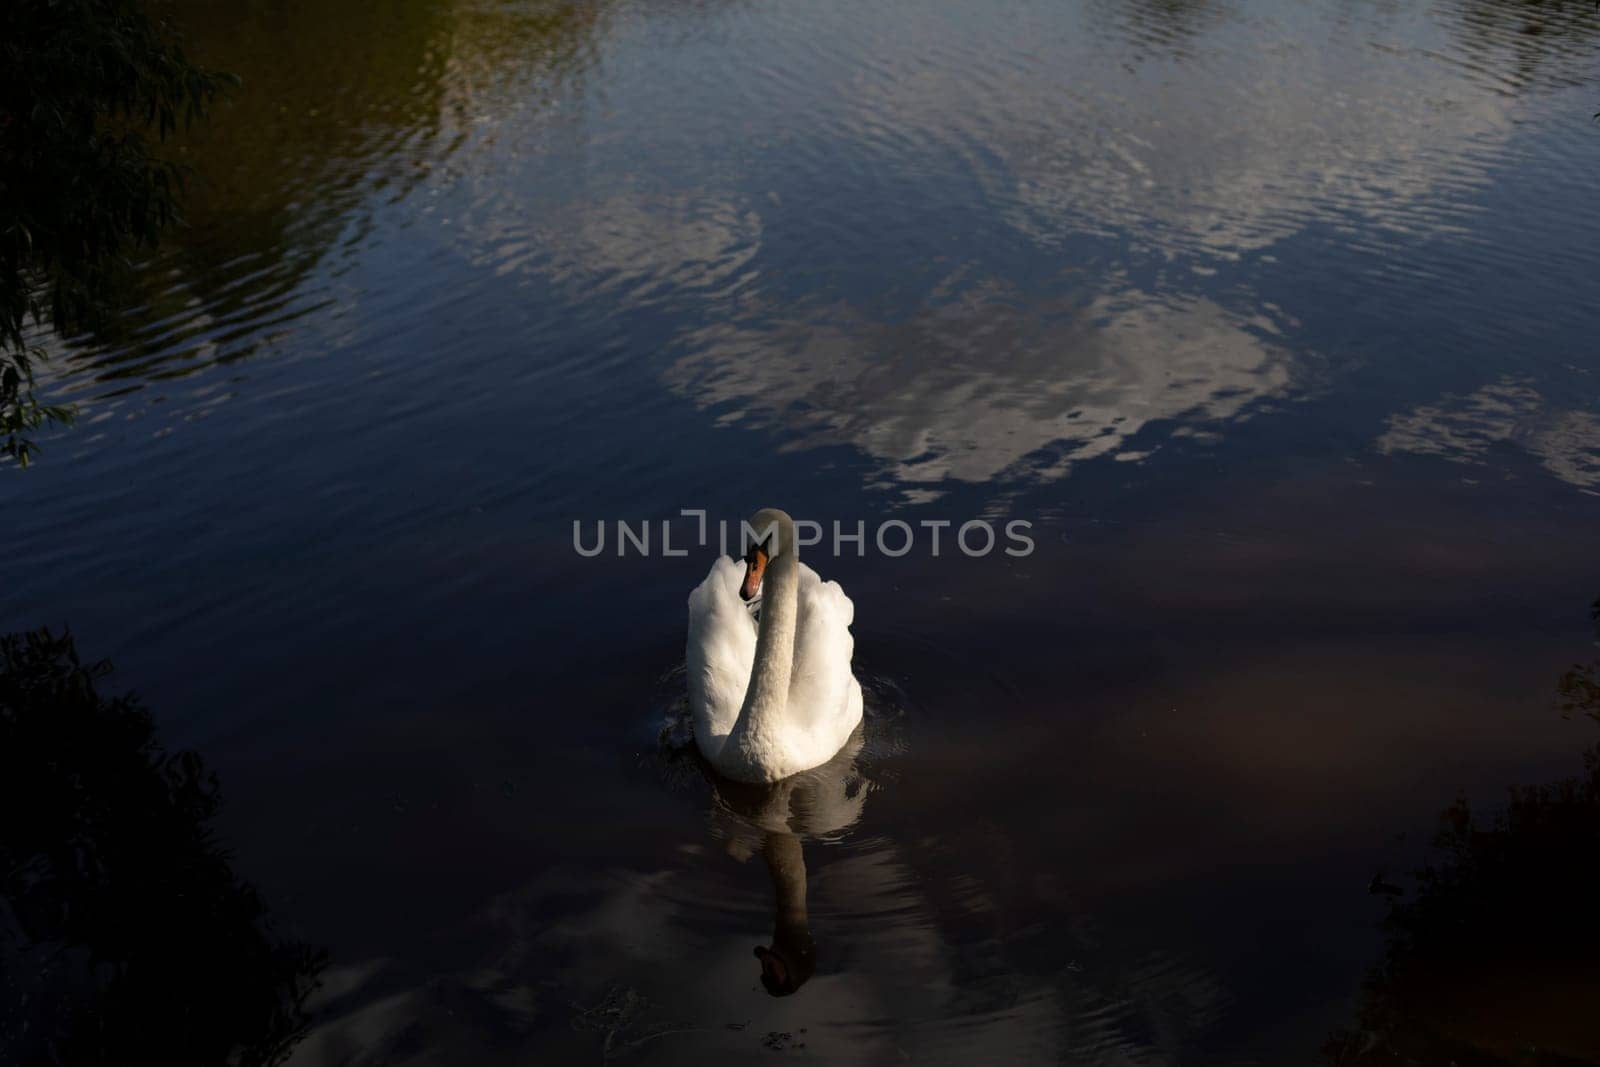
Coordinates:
787	964
755	565
770	532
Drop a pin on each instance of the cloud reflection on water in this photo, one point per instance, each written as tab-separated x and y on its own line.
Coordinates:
989	383
1209	132
1219	133
1467	429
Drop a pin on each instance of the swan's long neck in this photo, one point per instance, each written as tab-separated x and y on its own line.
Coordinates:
791	930
758	732
786	864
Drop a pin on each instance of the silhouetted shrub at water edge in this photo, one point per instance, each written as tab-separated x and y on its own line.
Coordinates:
125	936
1494	956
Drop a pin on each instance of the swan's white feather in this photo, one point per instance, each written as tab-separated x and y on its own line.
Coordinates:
721	653
824	696
824	704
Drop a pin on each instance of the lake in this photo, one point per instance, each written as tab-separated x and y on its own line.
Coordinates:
1275	322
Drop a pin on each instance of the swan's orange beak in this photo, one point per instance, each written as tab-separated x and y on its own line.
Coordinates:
755	565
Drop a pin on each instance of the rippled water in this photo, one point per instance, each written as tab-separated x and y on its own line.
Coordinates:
1275	319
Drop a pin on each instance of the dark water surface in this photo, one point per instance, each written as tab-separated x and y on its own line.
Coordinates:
1275	319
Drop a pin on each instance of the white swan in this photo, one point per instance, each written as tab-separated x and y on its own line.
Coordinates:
779	698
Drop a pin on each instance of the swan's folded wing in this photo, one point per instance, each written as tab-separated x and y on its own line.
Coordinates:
821	689
720	652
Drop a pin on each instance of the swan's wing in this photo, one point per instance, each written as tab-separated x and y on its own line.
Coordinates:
823	693
720	653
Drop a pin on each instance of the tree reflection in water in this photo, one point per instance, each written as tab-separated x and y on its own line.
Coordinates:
1494	957
125	936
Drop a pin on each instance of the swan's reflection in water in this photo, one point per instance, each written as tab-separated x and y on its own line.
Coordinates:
775	820
899	935
792	956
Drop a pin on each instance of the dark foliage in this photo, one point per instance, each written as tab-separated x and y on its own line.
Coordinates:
125	936
1580	687
1494	958
87	89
